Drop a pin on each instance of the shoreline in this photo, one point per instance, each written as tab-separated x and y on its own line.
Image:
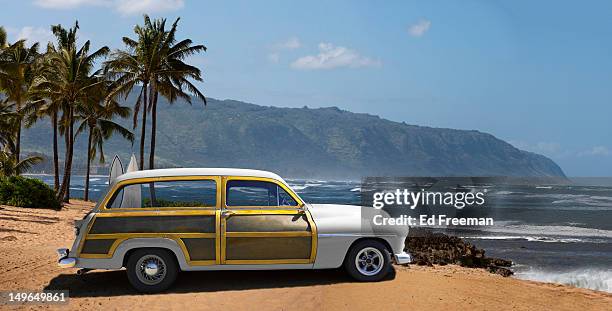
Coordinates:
34	234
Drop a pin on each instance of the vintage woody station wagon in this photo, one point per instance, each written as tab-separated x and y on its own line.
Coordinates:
156	223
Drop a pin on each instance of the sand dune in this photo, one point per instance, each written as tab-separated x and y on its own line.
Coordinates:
28	239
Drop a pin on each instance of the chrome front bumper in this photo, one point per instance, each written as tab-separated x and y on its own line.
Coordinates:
64	261
402	258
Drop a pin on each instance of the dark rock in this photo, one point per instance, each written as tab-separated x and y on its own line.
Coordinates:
505	272
427	247
499	262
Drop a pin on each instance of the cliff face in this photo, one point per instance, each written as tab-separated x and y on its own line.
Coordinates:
325	142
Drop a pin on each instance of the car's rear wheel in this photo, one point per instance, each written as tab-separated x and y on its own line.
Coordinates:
368	261
151	270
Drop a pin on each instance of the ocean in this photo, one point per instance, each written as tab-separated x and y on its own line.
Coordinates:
552	233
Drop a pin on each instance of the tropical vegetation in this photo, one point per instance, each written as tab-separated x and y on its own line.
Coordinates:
96	118
79	88
27	192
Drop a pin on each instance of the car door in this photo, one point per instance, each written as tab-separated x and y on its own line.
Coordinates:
185	209
264	222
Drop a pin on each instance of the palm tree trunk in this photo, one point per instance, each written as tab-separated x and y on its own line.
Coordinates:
153	127
153	96
55	153
64	193
18	131
71	130
86	196
18	140
62	190
144	125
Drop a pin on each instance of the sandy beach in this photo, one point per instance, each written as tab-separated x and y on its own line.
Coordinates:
29	237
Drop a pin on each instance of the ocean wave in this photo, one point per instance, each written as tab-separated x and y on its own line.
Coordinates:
597	279
298	187
544	239
574	200
506	192
548	231
91	189
569	196
158	185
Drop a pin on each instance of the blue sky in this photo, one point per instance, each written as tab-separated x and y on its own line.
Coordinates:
535	73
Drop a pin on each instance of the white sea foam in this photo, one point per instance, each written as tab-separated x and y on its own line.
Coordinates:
543	187
503	192
548	231
597	279
560	200
533	239
299	187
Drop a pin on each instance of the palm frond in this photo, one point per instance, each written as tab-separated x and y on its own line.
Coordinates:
24	165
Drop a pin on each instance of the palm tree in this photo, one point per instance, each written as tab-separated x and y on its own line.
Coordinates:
96	117
155	62
51	107
41	108
132	67
17	62
171	74
7	126
11	167
2	37
66	81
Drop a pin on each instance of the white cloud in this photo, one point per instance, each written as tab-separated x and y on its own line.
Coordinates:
597	151
69	4
124	7
420	28
31	34
289	44
130	7
331	56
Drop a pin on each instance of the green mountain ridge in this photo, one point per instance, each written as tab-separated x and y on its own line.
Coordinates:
312	143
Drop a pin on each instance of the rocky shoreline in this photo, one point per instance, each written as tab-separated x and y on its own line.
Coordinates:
428	247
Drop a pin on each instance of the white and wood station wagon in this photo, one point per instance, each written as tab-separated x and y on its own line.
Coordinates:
156	223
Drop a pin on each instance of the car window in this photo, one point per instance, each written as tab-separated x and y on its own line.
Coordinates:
190	193
257	193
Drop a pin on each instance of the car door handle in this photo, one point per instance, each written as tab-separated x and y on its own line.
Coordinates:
226	214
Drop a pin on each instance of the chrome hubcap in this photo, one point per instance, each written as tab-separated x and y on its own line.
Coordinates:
151	269
369	261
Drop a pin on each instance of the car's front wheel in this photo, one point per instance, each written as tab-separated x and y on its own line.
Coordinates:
151	270
368	261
